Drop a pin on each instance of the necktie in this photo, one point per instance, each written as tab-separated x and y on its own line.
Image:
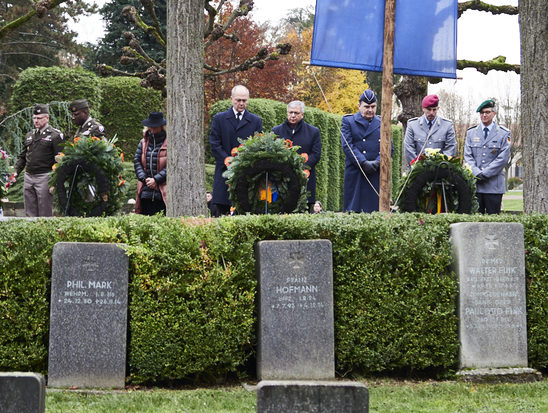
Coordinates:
485	132
239	116
429	124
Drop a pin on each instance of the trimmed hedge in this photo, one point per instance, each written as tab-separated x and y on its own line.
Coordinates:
192	289
330	169
124	106
49	84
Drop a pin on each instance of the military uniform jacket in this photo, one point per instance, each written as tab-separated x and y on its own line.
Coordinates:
225	131
91	128
488	157
39	150
442	137
308	138
360	140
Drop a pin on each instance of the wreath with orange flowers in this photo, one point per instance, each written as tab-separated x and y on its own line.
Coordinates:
88	178
266	175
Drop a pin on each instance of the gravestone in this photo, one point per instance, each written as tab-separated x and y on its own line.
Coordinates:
22	392
88	321
312	396
490	266
296	328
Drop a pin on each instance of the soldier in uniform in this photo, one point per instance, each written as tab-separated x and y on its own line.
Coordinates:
88	126
429	131
38	156
486	151
360	139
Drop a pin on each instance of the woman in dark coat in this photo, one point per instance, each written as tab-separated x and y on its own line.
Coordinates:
361	145
150	162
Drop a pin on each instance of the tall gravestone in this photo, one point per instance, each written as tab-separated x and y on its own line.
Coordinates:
296	355
490	265
22	393
296	338
88	321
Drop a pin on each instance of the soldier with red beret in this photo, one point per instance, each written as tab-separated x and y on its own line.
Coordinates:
429	131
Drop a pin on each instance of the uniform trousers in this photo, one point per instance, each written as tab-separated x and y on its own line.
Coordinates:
37	198
489	203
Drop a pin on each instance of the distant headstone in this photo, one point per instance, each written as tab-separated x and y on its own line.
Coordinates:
312	396
490	265
296	328
88	321
22	392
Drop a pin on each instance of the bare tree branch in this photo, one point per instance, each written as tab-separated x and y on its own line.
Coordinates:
481	6
497	63
40	9
215	28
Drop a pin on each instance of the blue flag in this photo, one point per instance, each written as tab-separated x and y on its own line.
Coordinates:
349	34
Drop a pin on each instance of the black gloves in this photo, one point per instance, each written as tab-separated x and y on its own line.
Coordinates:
370	167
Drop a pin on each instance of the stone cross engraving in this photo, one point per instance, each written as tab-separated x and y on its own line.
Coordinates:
88	321
490	266
296	331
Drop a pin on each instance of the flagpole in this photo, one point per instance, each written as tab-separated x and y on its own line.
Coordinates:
386	108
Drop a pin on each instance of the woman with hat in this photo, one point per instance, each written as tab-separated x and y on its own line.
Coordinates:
150	162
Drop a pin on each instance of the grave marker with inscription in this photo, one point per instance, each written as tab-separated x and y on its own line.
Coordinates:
88	321
490	265
296	329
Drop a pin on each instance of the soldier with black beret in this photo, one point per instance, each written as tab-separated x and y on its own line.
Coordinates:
486	151
88	126
38	156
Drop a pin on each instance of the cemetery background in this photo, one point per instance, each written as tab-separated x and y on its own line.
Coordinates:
192	291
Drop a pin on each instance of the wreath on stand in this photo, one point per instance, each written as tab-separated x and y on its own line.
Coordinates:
438	183
266	175
88	178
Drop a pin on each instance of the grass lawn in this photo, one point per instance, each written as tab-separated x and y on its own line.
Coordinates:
513	201
385	396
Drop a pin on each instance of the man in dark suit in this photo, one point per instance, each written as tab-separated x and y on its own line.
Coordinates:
307	137
226	128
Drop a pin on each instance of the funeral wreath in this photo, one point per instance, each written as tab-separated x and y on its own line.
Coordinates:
88	178
265	174
438	183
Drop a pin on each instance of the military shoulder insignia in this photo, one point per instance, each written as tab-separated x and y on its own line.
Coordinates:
472	127
412	119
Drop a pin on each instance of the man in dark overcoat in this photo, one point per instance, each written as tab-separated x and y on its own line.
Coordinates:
360	139
226	128
307	137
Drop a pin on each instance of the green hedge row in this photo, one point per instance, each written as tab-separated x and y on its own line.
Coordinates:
192	289
119	103
330	169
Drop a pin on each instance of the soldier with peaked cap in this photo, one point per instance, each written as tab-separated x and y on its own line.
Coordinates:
88	126
361	143
429	131
41	146
486	151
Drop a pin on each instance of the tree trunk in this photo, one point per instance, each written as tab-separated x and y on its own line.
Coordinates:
185	101
534	101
